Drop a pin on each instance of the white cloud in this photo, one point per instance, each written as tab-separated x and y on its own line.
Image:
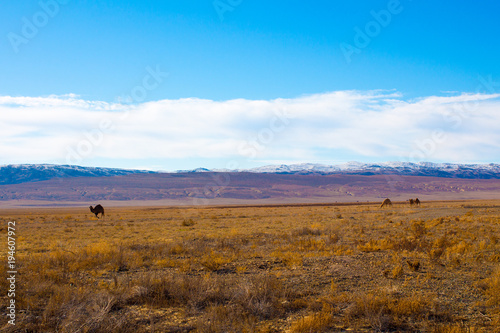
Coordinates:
368	124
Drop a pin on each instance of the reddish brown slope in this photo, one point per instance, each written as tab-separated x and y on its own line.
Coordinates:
196	187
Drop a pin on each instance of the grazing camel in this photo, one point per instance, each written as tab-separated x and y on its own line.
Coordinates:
417	202
411	201
97	210
387	202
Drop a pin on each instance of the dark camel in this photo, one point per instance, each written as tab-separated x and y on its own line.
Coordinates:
415	202
97	210
387	202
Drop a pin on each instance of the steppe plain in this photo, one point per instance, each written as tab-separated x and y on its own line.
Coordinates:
330	267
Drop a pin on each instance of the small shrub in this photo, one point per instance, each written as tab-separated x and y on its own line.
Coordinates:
317	322
332	238
414	265
306	231
188	222
418	230
221	319
290	258
491	287
261	296
435	254
383	312
370	246
70	310
177	249
397	271
214	261
193	292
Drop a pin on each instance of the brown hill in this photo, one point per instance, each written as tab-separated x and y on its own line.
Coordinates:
231	188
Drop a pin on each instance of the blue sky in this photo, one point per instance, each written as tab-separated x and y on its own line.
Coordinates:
247	61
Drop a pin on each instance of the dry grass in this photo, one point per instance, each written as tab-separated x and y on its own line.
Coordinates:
259	269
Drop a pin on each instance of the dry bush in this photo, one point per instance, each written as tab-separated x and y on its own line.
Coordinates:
95	312
450	328
374	245
261	296
413	265
78	310
395	273
190	291
188	222
177	249
333	237
410	244
370	246
383	312
306	231
418	229
460	250
308	245
290	259
491	288
214	261
221	319
317	322
372	309
435	253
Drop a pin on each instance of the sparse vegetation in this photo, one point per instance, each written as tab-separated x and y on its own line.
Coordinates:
259	269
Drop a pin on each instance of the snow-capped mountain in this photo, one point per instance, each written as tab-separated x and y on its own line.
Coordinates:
448	170
281	183
22	173
196	170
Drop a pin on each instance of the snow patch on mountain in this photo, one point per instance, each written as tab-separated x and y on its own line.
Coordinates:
448	170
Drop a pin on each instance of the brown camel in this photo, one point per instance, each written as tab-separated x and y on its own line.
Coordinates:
97	210
417	202
411	201
387	202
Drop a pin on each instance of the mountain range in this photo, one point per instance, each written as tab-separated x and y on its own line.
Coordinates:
55	185
22	173
446	170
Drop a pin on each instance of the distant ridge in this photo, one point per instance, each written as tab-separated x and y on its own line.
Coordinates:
446	170
23	173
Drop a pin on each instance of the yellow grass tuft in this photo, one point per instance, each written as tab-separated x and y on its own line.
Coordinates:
214	261
317	322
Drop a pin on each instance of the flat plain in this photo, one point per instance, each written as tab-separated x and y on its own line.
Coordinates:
262	268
